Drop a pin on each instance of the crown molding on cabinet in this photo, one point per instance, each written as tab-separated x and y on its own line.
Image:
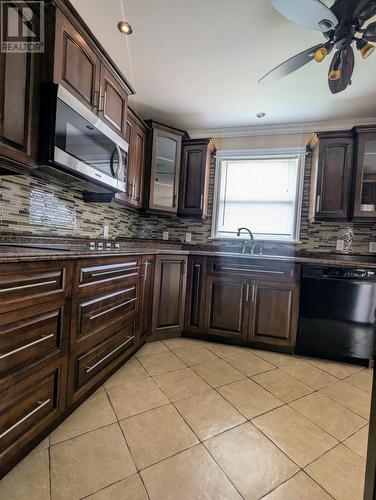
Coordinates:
281	129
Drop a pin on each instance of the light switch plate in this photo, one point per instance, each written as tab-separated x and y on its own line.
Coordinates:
372	247
340	245
165	235
188	237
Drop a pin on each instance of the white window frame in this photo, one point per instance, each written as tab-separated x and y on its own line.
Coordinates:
266	154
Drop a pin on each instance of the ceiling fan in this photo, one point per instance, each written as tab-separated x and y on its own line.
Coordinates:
342	25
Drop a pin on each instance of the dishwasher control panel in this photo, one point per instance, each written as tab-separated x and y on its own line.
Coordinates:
348	273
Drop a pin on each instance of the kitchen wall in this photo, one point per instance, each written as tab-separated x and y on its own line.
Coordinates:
30	206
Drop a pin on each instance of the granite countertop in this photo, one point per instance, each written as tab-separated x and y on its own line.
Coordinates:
20	253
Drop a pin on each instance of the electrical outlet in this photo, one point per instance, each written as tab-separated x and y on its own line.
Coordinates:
372	247
340	245
165	235
106	231
188	237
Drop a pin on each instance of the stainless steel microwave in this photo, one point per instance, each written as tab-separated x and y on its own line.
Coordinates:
78	148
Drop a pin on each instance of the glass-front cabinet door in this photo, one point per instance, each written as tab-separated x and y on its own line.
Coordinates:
365	178
165	169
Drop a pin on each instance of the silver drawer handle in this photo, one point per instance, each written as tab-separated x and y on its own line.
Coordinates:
112	309
114	271
26	346
252	270
22	287
109	296
90	368
39	407
82	285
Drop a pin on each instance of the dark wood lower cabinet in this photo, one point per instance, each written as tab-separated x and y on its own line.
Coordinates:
274	313
66	326
227	308
195	300
28	408
88	368
169	295
147	289
31	335
260	311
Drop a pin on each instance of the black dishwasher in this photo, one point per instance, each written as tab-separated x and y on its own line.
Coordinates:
337	313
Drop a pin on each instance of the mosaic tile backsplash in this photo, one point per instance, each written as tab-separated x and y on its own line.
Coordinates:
30	206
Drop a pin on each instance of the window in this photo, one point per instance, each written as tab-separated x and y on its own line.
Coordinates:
260	192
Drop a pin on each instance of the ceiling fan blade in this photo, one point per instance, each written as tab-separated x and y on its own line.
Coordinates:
370	33
291	64
310	13
345	59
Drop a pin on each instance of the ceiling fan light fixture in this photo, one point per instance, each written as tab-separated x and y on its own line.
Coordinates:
335	74
320	54
326	24
366	49
125	28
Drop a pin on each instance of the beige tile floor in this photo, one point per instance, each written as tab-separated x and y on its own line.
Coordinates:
191	420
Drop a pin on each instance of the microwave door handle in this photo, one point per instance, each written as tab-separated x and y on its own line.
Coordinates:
113	173
120	163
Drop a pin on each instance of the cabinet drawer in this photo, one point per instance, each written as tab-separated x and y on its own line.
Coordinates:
26	284
89	364
28	407
95	312
29	335
256	267
90	274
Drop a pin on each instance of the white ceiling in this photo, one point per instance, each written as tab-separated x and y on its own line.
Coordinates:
195	64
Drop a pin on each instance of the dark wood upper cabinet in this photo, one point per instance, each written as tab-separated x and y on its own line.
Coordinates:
81	69
136	136
19	101
364	208
169	295
164	157
227	308
113	98
331	176
274	313
76	65
74	59
194	177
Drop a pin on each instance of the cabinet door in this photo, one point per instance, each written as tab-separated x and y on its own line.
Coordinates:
113	100
135	135
165	170
194	177
138	165
92	364
334	170
148	269
227	307
77	67
169	295
274	313
29	407
18	104
365	180
195	307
